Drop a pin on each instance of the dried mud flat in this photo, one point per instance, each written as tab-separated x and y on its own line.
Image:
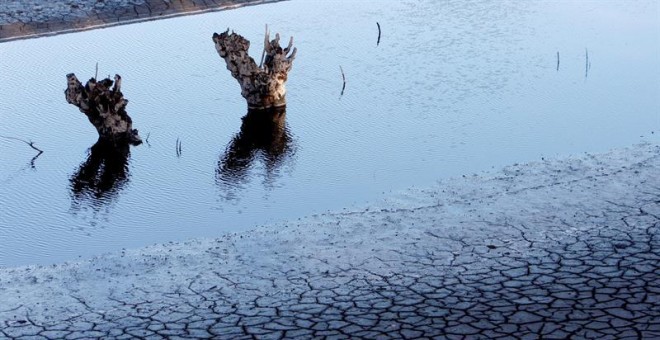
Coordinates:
555	249
35	18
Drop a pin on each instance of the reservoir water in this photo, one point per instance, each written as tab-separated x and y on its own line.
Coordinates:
452	88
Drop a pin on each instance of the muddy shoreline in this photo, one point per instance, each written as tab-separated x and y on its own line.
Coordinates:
561	248
33	19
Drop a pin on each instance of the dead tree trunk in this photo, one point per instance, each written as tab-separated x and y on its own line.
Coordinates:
262	86
105	107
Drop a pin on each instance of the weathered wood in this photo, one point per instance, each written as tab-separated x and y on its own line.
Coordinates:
261	85
105	107
30	144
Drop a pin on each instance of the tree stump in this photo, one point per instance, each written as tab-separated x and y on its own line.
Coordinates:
262	86
105	107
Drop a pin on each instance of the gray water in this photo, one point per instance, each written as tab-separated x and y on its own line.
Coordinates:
453	88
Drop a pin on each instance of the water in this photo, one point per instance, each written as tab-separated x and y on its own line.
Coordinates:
453	88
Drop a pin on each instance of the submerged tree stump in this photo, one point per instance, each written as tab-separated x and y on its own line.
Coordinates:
105	107
261	85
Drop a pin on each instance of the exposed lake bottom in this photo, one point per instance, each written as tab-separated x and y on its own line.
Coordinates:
556	248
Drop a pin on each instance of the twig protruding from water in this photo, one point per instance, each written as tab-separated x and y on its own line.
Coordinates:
178	147
263	53
587	64
30	144
378	41
557	60
343	77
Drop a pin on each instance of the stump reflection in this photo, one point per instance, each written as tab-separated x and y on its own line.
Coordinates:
101	177
264	136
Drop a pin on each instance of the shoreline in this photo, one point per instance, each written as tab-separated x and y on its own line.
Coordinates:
563	247
62	20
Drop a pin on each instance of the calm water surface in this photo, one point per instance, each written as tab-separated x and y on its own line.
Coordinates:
453	88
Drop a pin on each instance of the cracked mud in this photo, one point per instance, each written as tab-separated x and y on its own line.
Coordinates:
34	18
559	249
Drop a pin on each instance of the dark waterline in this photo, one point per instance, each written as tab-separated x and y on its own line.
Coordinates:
451	88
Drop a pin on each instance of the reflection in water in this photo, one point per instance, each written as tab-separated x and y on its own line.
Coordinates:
101	176
264	135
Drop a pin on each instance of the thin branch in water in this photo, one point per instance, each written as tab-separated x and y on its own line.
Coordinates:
96	74
557	60
378	42
343	77
178	147
263	53
30	144
146	140
586	63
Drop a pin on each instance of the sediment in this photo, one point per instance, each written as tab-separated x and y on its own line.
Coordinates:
565	248
35	18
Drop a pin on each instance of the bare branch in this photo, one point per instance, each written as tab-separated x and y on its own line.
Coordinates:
343	77
30	144
263	53
288	47
378	42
